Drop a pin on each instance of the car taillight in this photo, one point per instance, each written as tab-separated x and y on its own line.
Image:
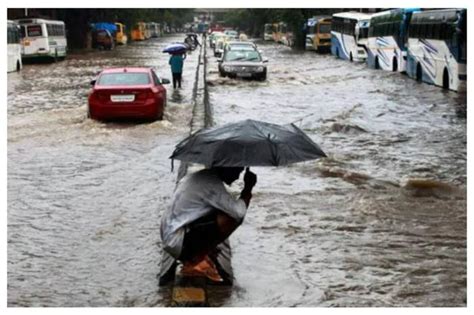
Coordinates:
100	96
145	95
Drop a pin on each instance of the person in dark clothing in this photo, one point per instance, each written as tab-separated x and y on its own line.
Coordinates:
176	62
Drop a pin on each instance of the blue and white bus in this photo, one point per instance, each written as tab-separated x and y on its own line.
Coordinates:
43	39
349	35
436	48
13	47
386	45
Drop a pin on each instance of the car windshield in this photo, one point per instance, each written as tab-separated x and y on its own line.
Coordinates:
124	78
241	47
242	55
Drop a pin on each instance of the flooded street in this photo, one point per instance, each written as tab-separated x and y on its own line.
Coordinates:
360	228
380	222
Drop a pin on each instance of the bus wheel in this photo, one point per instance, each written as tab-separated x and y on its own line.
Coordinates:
350	57
395	65
18	66
445	79
419	74
377	63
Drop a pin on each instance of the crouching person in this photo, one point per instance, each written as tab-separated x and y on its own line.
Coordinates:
202	215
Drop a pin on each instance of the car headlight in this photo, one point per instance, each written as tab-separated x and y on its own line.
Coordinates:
260	69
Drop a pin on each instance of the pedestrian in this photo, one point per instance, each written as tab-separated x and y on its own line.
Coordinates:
202	215
176	62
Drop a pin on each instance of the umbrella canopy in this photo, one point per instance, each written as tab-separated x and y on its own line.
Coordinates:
248	143
175	48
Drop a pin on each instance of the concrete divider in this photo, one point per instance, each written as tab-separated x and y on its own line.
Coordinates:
192	291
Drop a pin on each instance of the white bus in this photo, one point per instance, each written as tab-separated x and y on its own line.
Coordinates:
14	47
436	48
349	35
386	48
43	38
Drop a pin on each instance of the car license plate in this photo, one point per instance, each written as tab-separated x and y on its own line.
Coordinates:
122	98
244	75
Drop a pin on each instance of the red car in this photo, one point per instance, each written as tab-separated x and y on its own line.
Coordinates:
127	93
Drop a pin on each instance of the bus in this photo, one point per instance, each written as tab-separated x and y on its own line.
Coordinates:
138	31
275	32
386	47
42	38
120	35
155	29
148	27
283	35
349	35
14	47
267	32
436	48
318	35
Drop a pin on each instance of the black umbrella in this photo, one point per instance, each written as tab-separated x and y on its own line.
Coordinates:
248	143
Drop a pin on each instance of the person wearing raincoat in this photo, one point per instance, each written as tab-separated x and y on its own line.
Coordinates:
202	215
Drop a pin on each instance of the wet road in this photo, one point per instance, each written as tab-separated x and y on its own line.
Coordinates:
356	229
382	221
84	197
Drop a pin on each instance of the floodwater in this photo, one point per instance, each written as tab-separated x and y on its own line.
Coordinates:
380	222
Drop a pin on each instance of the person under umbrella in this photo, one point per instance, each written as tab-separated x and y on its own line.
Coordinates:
176	62
202	215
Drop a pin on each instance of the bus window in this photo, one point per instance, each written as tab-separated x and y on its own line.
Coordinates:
34	30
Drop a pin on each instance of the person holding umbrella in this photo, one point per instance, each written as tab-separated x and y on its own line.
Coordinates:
176	62
202	215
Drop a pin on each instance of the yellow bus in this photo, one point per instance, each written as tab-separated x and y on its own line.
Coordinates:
120	36
138	31
319	35
275	32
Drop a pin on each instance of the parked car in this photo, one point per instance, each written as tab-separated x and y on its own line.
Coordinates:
103	39
127	93
243	64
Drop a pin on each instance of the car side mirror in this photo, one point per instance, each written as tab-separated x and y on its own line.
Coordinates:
165	81
260	51
93	82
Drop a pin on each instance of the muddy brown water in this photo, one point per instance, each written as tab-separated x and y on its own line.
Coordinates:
380	222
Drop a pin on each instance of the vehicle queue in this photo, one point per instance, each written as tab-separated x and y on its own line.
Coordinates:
428	45
39	39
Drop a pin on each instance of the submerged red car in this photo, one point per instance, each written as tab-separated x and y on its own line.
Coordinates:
127	93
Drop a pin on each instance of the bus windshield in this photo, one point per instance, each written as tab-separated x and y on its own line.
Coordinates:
324	28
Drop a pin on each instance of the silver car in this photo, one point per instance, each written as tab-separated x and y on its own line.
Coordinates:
243	64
